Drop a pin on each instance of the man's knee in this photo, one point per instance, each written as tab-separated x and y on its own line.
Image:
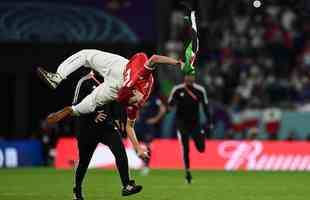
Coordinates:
201	148
200	145
88	54
82	55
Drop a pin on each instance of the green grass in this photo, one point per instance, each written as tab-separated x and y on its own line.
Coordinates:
46	183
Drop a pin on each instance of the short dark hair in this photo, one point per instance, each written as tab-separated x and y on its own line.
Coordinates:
124	94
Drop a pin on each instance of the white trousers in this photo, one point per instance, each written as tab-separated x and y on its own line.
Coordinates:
110	66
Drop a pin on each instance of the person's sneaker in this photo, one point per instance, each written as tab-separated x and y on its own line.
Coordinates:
145	171
188	177
52	79
77	194
131	188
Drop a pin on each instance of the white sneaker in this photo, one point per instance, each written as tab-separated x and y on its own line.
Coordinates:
145	171
193	20
52	79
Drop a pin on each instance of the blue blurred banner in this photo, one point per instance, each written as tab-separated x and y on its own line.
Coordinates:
20	153
107	21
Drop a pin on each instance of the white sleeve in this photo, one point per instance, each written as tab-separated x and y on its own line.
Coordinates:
78	87
203	91
171	96
205	98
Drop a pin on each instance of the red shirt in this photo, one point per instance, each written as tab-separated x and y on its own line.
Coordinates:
139	77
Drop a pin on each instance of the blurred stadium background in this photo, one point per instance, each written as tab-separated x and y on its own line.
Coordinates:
253	62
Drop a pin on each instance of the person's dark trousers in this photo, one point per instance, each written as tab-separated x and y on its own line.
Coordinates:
86	150
273	136
113	141
87	143
198	136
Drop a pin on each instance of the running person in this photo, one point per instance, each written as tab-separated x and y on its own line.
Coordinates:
102	126
187	98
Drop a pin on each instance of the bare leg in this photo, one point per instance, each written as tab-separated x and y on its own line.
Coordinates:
55	117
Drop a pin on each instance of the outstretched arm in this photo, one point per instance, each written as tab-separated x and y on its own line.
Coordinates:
161	112
209	116
158	59
142	153
55	117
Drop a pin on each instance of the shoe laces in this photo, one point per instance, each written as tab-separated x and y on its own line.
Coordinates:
51	75
129	187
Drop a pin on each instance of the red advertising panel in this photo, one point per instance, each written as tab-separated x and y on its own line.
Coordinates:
221	155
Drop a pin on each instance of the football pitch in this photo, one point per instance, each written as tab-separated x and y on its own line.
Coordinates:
47	183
